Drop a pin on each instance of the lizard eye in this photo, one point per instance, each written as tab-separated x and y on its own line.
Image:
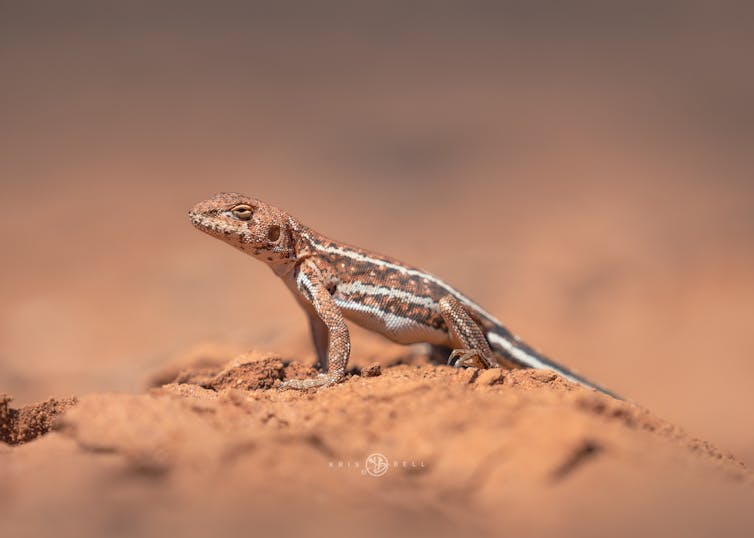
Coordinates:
242	212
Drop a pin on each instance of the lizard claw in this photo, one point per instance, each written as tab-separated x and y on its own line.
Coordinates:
322	380
466	358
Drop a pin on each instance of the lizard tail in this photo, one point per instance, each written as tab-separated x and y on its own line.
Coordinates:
502	341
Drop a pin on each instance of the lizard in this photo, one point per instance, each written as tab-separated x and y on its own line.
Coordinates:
335	282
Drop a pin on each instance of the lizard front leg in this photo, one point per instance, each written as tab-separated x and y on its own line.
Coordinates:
320	339
329	323
471	347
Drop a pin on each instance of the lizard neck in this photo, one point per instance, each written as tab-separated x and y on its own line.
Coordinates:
303	244
305	240
283	267
285	254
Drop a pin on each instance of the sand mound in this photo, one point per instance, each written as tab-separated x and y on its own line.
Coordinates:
412	448
22	425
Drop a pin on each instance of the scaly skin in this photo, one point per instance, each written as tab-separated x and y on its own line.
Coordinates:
334	282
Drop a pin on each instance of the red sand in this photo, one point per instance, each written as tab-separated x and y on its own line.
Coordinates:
220	449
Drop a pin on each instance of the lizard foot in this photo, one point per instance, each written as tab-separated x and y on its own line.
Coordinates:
322	380
467	358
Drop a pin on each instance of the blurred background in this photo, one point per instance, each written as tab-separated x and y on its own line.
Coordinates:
583	169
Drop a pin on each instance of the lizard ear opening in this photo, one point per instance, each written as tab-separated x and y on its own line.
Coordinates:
273	234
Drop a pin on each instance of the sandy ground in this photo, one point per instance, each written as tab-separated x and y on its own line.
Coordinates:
462	451
584	173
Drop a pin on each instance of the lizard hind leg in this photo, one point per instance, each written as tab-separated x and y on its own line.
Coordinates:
466	336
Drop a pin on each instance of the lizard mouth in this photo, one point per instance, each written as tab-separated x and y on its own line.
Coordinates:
205	224
218	227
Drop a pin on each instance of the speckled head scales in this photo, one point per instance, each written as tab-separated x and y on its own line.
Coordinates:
265	233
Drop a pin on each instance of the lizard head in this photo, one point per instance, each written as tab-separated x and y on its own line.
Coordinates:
249	224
